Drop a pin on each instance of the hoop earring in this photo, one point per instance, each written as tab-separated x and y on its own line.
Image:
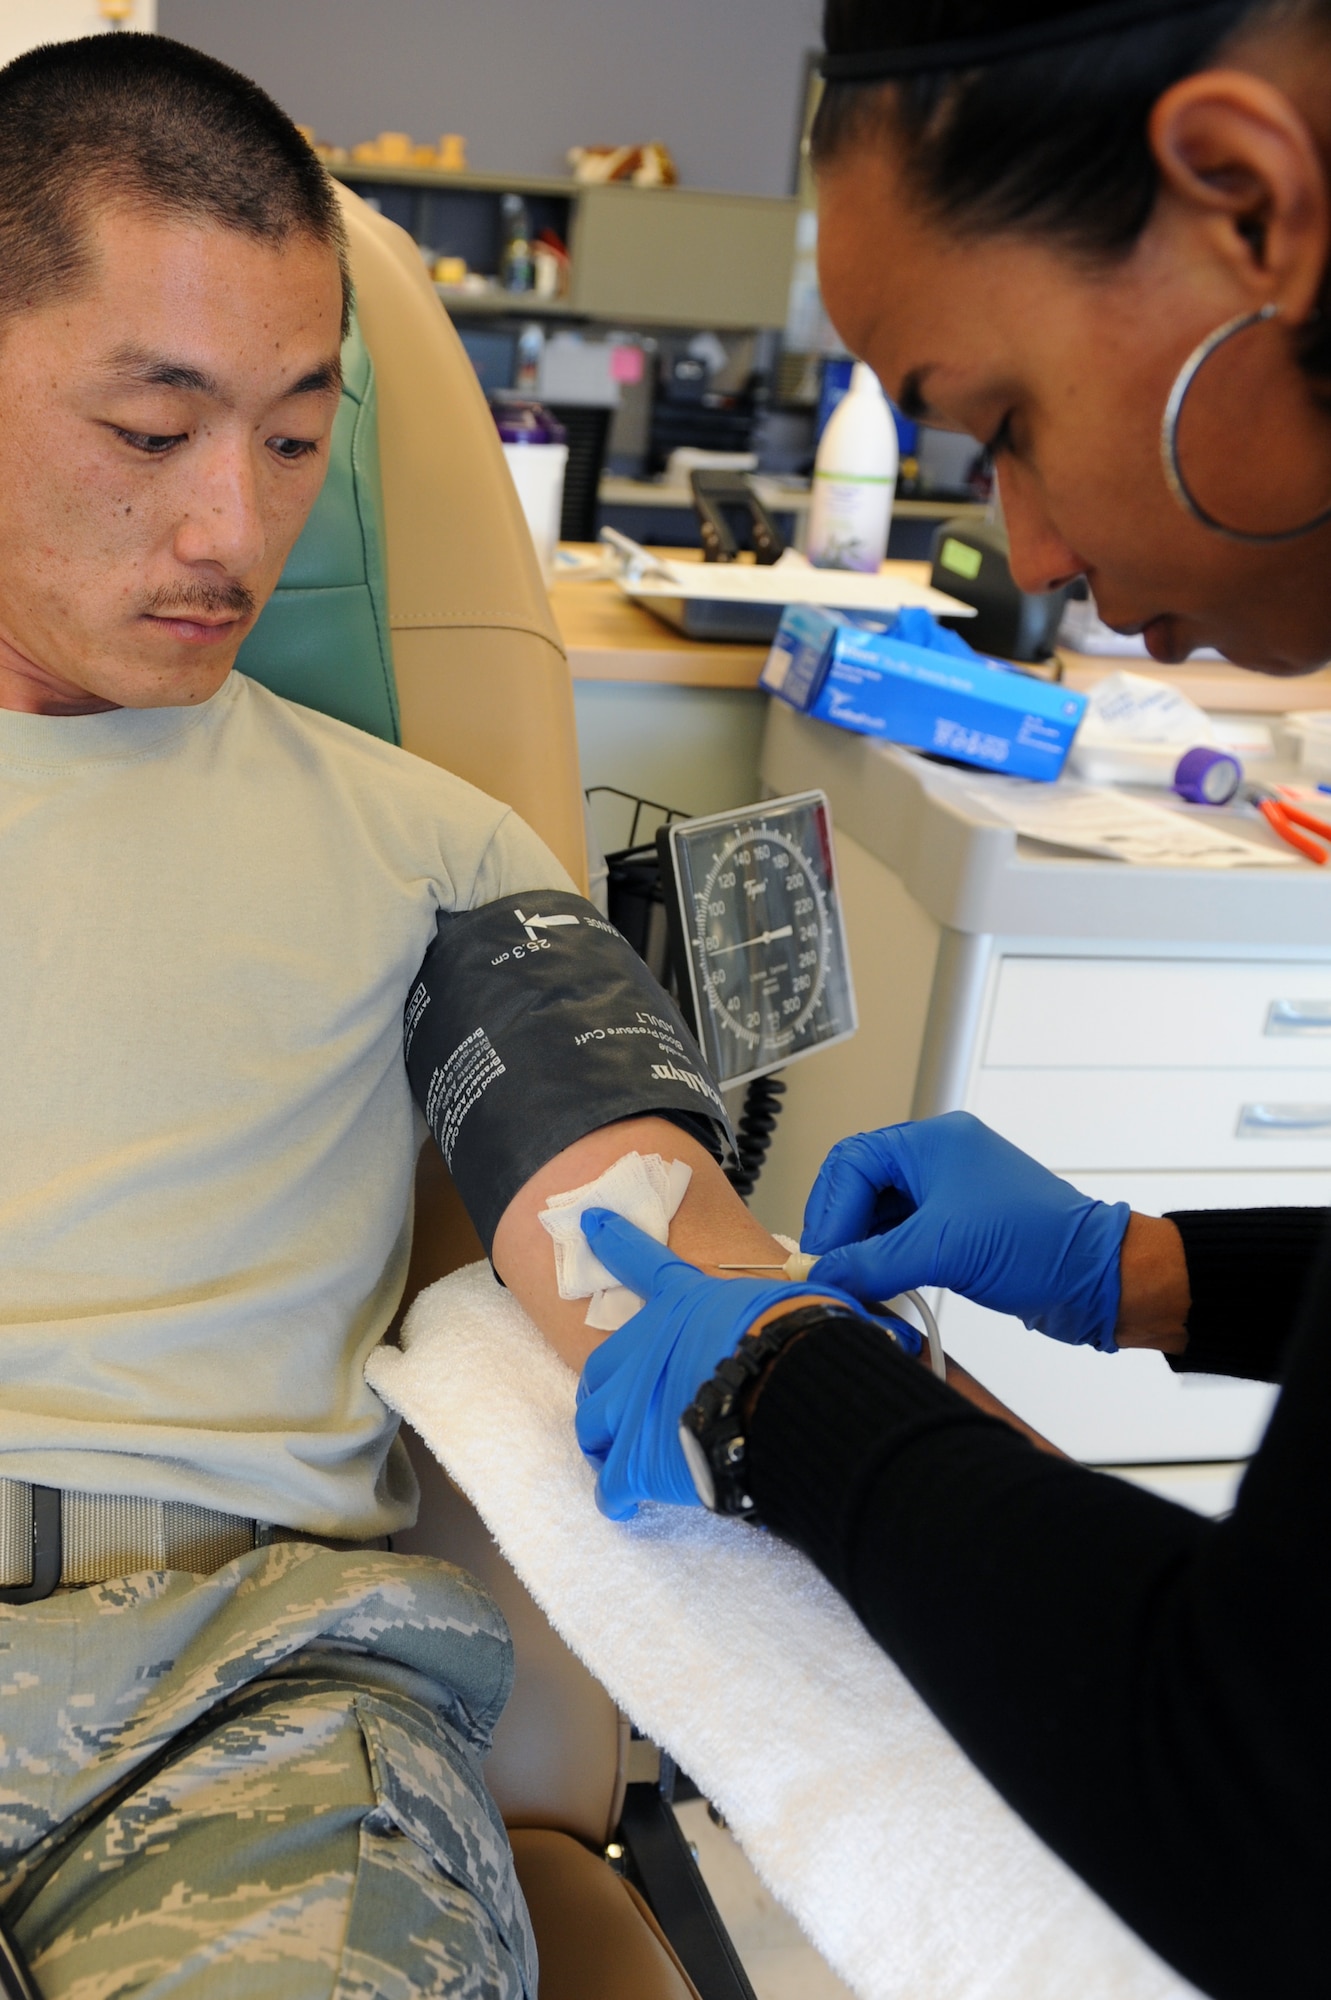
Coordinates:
1169	448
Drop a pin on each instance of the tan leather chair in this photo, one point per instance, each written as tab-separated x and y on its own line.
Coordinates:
482	681
484	689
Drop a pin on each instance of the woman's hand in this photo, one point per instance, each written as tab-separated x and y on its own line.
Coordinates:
946	1201
636	1386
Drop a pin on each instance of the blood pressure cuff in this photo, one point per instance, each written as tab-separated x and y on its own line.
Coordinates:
532	1022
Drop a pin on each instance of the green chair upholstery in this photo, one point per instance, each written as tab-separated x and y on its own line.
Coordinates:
322	639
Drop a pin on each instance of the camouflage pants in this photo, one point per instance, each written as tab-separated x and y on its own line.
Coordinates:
262	1783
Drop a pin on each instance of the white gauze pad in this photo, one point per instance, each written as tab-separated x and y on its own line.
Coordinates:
643	1188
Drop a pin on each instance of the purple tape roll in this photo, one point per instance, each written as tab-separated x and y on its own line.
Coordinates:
1207	777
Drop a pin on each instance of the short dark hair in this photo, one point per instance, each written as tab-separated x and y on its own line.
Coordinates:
150	121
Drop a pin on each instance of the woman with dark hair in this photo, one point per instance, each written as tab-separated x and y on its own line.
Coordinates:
1096	237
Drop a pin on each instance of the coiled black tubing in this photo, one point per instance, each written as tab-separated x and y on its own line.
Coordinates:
753	1132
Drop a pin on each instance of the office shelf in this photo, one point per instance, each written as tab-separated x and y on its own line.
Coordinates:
468	183
498	305
656	257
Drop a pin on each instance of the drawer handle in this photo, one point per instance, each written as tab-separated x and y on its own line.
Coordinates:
1299	1017
1274	1121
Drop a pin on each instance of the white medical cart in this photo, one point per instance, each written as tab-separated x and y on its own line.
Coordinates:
1156	1035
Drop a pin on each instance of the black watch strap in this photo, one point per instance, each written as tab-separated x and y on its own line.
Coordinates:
712	1429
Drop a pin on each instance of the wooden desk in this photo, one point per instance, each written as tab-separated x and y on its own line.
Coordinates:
659	716
608	638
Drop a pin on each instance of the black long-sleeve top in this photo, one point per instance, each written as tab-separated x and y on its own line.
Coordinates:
1149	1689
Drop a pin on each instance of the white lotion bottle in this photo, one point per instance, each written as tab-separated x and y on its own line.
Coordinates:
854	479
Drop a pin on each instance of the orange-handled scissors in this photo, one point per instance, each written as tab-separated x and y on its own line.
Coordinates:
1285	819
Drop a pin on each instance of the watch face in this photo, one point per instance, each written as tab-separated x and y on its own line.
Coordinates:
769	974
699	1470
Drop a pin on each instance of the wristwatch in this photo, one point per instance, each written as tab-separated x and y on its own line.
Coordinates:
711	1430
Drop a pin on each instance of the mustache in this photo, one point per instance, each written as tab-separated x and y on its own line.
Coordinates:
200	599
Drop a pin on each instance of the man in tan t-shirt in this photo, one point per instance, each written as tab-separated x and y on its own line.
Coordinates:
212	904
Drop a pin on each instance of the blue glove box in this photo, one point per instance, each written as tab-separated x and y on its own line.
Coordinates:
941	696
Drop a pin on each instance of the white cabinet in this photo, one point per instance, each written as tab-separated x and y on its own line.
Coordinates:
1168	1084
1129	1408
1241	1119
1156	1036
1159	1014
1204	1128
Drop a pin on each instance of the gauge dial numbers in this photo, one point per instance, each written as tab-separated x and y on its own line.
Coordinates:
766	955
762	987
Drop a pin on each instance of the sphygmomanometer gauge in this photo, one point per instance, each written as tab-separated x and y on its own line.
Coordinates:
758	933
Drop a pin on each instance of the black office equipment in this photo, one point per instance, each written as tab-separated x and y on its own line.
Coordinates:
587	427
688	410
970	561
731	517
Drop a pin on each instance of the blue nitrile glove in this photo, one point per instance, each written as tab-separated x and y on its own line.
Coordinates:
947	1202
637	1385
918	627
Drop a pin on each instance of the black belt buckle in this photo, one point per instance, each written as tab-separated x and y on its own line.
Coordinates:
47	1549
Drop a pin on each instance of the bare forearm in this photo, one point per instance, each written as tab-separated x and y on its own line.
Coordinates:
1155	1296
712	1225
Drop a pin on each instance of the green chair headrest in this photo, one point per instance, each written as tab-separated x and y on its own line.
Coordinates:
322	639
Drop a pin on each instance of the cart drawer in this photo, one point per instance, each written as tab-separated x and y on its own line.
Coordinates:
1093	1013
1122	1119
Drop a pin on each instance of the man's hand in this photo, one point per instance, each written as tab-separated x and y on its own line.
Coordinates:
945	1201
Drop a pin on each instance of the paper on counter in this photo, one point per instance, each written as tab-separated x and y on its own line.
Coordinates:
1135	730
793	580
1120	827
1133	708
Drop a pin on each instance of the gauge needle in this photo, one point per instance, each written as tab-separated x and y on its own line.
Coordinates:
796	1267
768	937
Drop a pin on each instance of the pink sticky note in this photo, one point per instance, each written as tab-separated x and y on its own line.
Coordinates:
625	363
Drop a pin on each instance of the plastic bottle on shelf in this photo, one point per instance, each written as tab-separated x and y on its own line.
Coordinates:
517	269
854	479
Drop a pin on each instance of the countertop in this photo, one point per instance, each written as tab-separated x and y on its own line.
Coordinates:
609	638
973	873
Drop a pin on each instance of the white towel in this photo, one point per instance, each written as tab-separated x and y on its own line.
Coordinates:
906	1869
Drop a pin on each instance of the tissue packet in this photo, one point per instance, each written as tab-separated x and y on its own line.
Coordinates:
642	1187
941	696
